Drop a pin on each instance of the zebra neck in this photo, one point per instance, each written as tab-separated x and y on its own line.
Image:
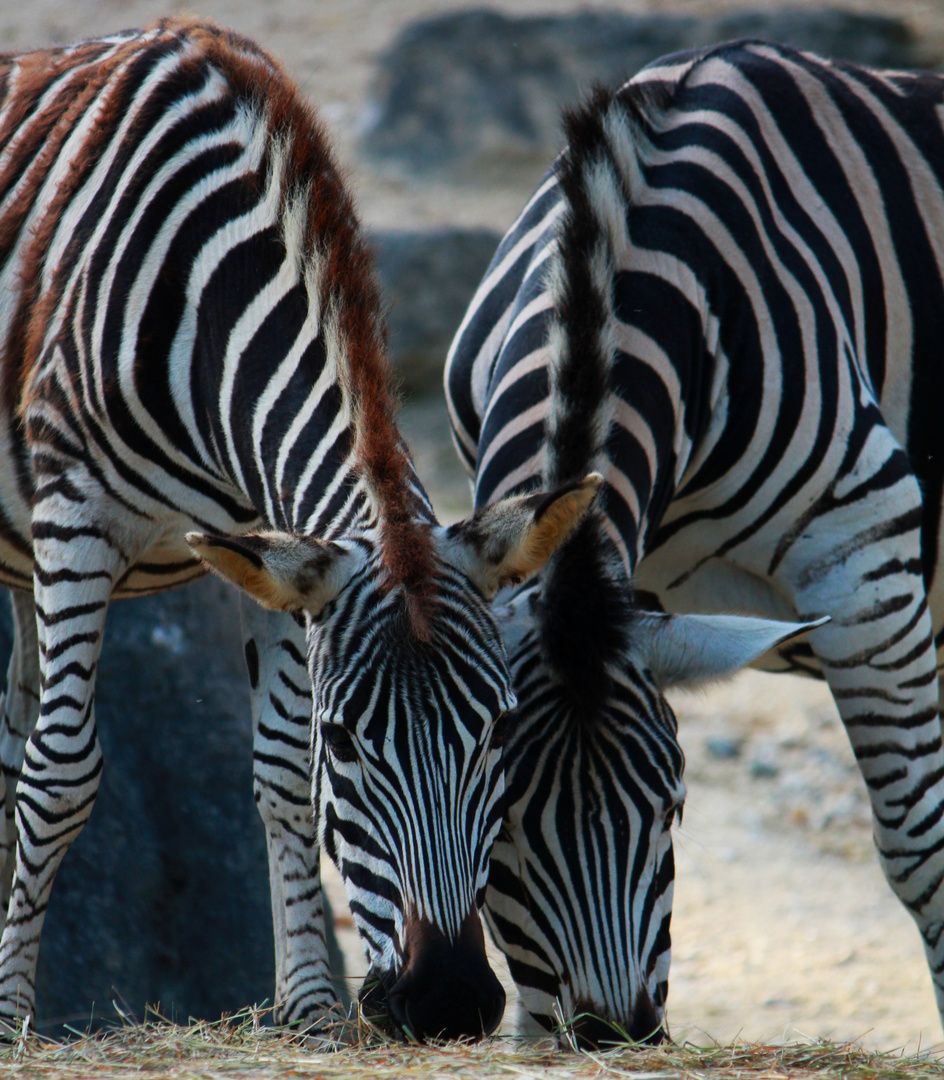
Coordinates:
280	418
274	418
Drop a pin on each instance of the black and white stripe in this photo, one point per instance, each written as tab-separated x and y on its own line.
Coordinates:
726	297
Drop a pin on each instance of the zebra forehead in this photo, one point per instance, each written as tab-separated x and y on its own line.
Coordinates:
381	681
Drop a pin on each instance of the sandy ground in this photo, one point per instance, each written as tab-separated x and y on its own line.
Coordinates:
784	926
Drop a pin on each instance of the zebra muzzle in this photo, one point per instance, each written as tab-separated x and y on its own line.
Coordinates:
445	989
590	1031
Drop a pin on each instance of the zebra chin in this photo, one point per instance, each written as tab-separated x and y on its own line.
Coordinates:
443	990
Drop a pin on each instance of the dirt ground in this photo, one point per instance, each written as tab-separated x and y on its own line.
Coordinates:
784	926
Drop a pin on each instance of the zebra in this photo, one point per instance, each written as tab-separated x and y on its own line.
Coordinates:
194	377
726	297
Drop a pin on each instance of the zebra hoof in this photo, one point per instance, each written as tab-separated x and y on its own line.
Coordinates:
317	1018
14	1026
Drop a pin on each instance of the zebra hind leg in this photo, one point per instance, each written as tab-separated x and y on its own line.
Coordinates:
859	561
75	567
19	711
281	713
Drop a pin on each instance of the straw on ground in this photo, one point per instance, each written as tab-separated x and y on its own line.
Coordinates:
241	1046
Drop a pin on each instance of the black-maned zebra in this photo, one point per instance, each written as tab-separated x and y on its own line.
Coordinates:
192	339
728	298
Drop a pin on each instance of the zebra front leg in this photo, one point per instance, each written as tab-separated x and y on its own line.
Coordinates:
18	714
280	691
859	562
75	567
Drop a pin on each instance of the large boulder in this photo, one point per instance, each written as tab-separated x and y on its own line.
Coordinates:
428	279
475	96
164	897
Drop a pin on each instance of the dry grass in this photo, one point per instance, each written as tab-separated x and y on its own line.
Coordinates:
241	1046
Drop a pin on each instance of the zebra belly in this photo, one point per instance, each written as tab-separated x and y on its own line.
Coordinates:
163	566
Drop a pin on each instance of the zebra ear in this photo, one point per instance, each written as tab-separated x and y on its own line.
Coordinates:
283	571
506	542
683	650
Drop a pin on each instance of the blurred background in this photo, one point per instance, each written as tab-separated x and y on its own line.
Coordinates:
445	117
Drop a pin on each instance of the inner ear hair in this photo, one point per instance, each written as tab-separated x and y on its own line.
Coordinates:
560	512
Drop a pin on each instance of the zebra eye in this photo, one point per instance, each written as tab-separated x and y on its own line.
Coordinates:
340	742
500	729
670	815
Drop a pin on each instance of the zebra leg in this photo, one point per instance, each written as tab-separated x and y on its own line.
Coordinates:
280	690
18	713
858	560
75	567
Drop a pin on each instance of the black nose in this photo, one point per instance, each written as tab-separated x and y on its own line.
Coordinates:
591	1032
446	990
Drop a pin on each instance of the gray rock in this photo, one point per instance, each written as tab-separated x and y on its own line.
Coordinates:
764	765
476	95
869	38
164	896
428	279
725	747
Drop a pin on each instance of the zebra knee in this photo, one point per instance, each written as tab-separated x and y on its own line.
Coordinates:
284	809
59	780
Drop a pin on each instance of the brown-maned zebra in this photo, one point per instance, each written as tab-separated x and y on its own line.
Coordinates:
192	340
728	298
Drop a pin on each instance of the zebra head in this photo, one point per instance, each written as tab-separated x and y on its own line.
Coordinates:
408	694
580	890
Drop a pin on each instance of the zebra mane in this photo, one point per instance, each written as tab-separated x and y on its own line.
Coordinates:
350	293
598	174
585	584
338	269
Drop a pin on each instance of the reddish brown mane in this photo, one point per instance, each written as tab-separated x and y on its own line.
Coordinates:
348	284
